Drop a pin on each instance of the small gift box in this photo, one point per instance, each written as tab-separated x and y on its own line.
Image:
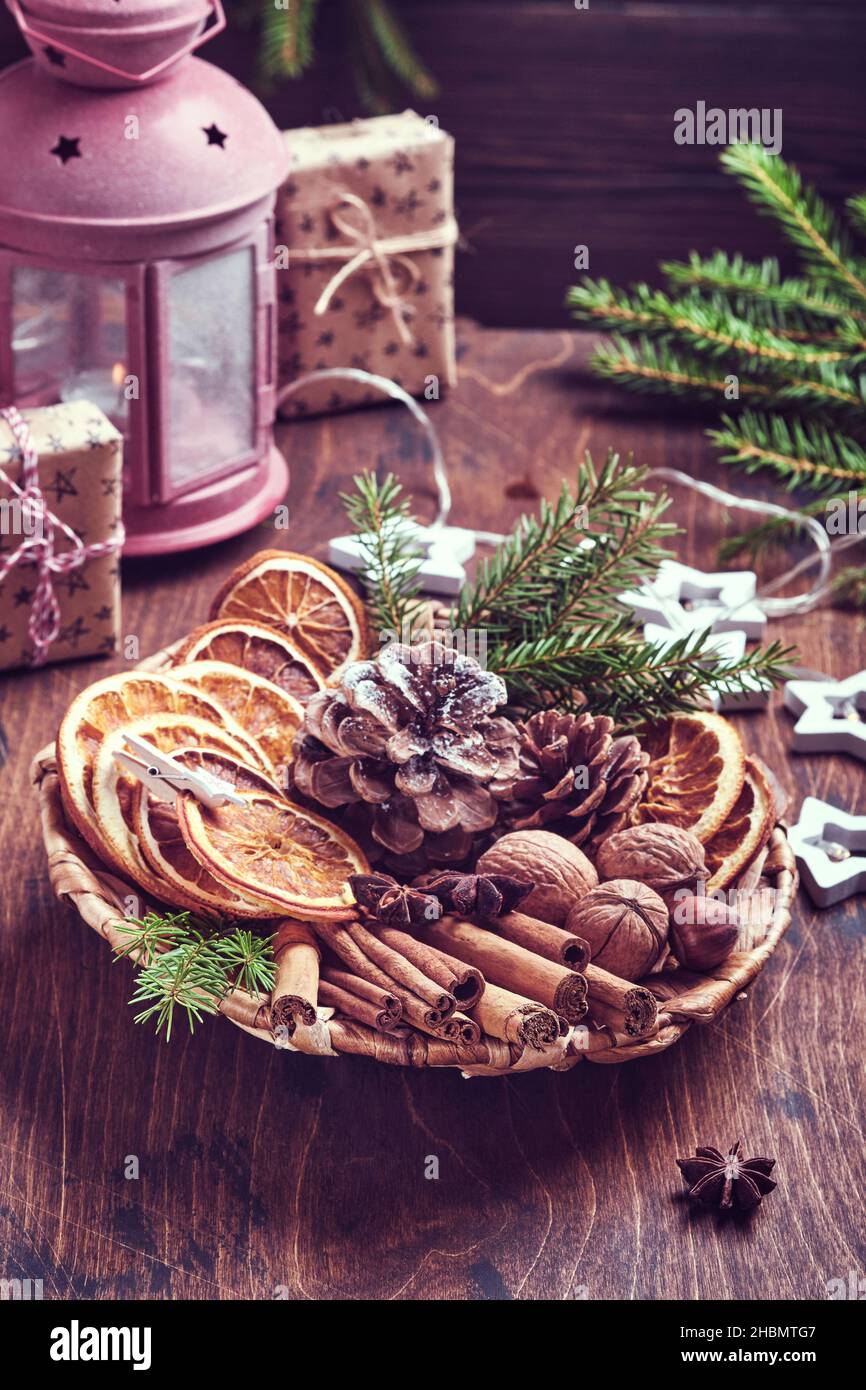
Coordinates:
60	534
366	220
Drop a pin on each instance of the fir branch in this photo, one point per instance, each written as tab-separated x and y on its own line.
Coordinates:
849	587
397	51
857	210
698	324
633	681
800	453
752	283
758	541
191	967
579	550
647	366
778	191
378	514
287	38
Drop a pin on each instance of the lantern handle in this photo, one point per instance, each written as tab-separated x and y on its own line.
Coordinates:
218	16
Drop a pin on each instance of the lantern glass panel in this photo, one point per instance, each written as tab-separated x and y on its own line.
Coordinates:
69	338
211	368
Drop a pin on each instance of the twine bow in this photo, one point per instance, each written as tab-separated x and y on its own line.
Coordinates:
364	249
39	524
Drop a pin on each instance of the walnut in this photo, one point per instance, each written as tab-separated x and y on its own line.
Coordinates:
560	872
664	857
626	925
703	931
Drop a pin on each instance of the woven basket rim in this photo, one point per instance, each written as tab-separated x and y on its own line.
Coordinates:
98	895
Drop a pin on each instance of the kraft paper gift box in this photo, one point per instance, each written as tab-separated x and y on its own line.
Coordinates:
365	222
79	472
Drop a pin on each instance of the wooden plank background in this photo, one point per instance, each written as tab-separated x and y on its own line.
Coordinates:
267	1174
564	126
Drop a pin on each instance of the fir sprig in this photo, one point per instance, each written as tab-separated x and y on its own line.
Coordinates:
614	672
802	453
791	349
378	50
548	602
379	514
189	965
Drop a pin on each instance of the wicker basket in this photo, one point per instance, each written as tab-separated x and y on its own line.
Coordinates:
100	897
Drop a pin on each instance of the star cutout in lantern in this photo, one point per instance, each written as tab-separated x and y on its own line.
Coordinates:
215	136
67	148
23	596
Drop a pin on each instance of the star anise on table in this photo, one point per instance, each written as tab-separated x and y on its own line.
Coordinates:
392	903
484	895
727	1180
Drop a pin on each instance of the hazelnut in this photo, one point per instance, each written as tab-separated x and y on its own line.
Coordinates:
626	925
703	931
558	870
662	856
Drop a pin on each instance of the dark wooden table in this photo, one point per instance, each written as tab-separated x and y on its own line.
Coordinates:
266	1174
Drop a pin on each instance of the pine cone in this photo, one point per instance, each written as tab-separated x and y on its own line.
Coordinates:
411	735
575	779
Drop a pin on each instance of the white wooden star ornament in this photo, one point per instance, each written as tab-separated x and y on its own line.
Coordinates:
444	550
687	600
830	847
832	715
682	600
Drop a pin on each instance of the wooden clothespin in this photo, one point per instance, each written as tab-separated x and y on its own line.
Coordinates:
165	777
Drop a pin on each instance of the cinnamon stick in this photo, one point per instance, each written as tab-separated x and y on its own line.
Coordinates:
414	1010
295	991
402	970
460	1028
353	1006
622	1006
513	967
545	940
515	1019
462	980
382	1000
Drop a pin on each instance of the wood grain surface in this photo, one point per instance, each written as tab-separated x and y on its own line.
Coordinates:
265	1174
564	124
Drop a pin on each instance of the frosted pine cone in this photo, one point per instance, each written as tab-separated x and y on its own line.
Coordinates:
412	735
575	779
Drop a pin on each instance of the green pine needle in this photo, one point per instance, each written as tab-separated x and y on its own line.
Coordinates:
547	600
189	966
378	513
801	453
778	191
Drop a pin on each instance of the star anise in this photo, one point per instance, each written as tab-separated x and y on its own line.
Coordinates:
727	1180
484	895
393	903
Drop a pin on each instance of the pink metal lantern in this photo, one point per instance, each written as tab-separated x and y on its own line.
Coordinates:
136	258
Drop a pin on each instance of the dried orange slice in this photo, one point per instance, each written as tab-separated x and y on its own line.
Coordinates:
746	830
287	856
259	649
696	772
112	787
157	831
301	598
113	703
268	713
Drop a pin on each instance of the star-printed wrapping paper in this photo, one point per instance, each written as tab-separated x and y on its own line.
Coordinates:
367	218
80	462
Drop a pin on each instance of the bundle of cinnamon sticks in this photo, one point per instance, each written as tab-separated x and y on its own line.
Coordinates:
516	980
